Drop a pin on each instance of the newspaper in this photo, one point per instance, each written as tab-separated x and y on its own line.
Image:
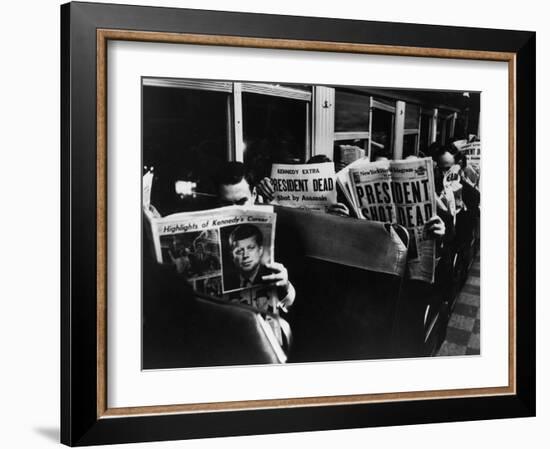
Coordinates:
147	184
414	196
343	180
474	161
401	192
222	252
471	148
472	171
308	186
451	183
371	186
458	144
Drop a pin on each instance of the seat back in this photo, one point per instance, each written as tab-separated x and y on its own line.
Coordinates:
348	275
181	330
367	245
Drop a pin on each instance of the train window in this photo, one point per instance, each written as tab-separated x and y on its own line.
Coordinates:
409	145
425	130
351	112
384	103
450	123
185	137
347	151
411	138
382	130
412	116
461	126
352	117
275	129
438	134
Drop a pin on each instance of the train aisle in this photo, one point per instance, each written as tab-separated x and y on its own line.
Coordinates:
463	330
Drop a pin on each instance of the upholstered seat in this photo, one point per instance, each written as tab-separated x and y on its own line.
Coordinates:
181	330
348	275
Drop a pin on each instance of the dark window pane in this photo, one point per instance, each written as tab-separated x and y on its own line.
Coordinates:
409	145
351	112
412	116
425	133
185	137
473	113
449	128
347	151
274	130
461	127
382	129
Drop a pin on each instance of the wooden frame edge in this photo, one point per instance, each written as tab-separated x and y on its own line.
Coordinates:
292	44
104	35
319	401
512	192
101	223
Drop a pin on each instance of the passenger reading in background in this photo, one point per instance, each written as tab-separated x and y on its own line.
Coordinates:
434	227
467	173
458	212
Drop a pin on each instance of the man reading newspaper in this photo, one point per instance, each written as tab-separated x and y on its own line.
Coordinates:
235	247
227	252
401	192
235	187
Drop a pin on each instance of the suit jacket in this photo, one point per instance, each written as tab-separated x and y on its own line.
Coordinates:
232	280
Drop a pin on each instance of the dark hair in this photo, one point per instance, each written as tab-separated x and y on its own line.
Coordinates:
441	150
460	158
380	152
452	148
318	159
450	141
432	149
245	231
230	173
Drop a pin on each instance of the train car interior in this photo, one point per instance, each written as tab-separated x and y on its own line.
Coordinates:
350	275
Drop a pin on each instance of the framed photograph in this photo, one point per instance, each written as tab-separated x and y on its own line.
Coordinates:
279	224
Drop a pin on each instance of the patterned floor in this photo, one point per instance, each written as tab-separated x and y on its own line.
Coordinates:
463	330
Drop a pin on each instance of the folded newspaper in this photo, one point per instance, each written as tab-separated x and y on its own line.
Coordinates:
221	252
146	190
344	182
471	148
474	161
400	192
309	186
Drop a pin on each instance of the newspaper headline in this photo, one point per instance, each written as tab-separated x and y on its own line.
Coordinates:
310	186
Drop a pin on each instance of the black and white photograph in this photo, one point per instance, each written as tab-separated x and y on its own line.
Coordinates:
245	255
194	254
344	219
